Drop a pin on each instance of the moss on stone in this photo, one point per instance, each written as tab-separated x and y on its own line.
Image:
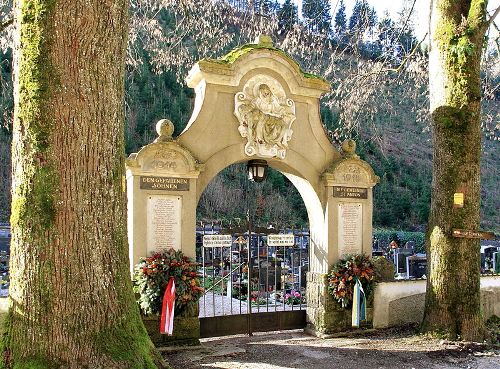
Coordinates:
235	54
186	331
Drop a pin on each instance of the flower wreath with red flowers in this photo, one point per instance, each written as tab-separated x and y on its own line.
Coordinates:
342	278
151	276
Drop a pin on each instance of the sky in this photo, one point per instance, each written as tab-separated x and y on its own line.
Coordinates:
421	18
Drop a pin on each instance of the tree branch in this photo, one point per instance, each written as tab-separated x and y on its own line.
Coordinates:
5	24
498	38
402	64
495	13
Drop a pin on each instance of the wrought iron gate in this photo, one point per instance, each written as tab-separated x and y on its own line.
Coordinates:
249	285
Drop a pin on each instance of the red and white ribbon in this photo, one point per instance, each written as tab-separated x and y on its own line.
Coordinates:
167	310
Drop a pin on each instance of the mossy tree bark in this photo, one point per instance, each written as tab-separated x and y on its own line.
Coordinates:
453	287
72	304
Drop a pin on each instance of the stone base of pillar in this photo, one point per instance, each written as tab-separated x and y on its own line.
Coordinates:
324	315
186	329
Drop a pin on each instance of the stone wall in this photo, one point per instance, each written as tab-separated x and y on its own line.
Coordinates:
402	302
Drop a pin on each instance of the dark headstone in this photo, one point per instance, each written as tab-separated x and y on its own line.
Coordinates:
303	275
400	263
496	257
4	244
404	251
417	266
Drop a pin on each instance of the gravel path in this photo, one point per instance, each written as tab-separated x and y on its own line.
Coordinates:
390	349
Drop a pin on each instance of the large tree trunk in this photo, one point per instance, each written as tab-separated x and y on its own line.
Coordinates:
453	286
72	300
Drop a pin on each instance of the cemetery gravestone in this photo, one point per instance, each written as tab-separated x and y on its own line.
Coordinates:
410	245
416	266
400	256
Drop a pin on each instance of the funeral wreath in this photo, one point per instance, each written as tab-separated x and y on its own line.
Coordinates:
342	278
151	276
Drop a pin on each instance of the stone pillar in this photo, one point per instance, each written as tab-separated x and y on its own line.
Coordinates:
161	190
348	219
324	316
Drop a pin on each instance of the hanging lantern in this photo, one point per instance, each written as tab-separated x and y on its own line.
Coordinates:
257	170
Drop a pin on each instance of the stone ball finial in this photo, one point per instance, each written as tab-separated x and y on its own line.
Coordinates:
349	148
264	40
165	129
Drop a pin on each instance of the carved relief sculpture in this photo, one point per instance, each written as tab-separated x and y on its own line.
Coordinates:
266	116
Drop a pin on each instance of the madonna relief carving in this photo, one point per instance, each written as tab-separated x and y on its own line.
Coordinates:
266	116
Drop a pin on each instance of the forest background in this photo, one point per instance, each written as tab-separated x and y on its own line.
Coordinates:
375	64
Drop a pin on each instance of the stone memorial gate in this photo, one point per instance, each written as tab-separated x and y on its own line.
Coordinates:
254	103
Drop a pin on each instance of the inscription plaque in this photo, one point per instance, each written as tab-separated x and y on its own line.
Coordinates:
164	183
163	223
350	231
280	240
217	240
350	192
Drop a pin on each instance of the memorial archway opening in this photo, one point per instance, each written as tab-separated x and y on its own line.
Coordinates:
252	242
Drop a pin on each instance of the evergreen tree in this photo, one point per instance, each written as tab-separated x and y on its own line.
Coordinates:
340	20
363	18
407	39
354	20
386	35
288	16
264	7
317	16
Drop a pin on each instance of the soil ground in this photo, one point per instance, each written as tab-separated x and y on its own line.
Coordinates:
387	349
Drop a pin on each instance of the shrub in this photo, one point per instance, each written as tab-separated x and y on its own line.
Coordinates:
342	278
384	269
385	237
151	276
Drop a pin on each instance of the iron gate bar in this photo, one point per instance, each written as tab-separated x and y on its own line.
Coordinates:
300	274
221	268
267	276
276	278
230	289
258	276
249	283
